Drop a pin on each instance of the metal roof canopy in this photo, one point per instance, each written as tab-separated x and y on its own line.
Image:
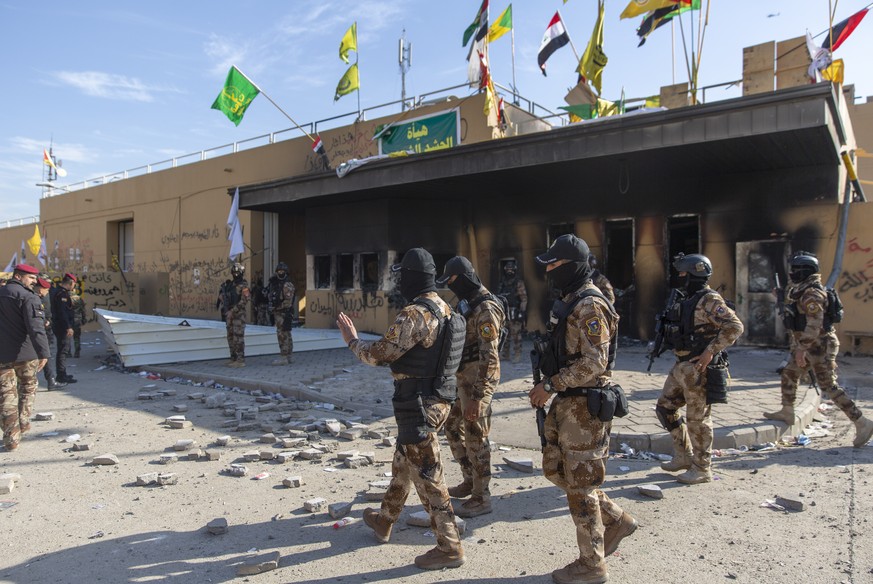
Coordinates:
790	128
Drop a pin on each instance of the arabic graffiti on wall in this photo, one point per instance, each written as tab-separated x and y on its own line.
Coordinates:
859	283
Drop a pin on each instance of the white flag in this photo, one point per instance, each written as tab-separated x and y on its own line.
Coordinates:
234	210
236	240
12	263
43	254
821	58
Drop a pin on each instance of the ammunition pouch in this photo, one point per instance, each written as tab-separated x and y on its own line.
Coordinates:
717	376
664	417
792	319
606	403
408	402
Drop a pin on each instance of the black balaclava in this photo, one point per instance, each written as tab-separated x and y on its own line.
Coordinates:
692	284
571	276
800	273
413	284
465	286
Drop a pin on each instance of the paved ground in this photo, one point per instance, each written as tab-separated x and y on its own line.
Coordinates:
336	377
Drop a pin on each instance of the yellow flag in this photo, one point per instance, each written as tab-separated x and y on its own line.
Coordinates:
637	7
834	72
501	26
594	59
35	242
349	42
348	83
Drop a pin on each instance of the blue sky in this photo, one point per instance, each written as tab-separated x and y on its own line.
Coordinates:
118	85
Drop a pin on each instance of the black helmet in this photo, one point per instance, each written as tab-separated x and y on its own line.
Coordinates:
566	247
237	270
282	267
510	267
416	259
695	264
457	266
803	265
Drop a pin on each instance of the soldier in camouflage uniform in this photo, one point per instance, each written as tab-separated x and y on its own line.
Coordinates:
418	335
814	344
513	289
601	281
235	296
700	327
24	351
78	320
580	353
478	376
281	298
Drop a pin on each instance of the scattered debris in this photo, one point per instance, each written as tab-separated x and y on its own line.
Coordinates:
259	564
651	490
217	526
519	464
104	460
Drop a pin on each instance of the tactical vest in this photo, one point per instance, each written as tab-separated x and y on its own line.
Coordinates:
554	356
229	295
471	351
432	370
276	291
679	333
509	290
794	320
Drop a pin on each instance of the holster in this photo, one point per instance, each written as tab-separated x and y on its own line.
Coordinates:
408	402
606	403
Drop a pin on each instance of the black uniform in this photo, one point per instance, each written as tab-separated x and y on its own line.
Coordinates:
62	321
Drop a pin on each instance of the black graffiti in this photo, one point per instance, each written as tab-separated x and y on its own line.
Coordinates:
853	280
202	235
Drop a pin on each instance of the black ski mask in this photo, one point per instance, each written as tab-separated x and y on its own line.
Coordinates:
571	276
413	284
465	286
692	284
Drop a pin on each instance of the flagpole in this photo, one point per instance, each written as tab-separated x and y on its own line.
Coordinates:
357	58
673	48
261	91
514	86
572	46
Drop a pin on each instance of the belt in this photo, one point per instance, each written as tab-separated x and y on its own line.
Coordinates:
574	392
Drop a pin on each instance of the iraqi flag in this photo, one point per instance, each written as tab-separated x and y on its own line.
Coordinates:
842	30
318	150
556	37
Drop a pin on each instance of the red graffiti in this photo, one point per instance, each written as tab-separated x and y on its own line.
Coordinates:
855	246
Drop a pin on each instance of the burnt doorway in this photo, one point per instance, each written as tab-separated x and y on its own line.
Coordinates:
618	265
758	263
683	236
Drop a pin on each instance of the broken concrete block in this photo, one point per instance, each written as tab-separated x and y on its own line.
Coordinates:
222	440
791	504
237	470
146	479
180	408
339	510
351	433
217	526
105	460
346	454
198	395
292	482
292	442
246	426
168	458
259	564
267	454
180	424
422	519
44	417
389	441
212	455
370	457
167	392
376	490
267	428
333	427
287	456
146	395
195	454
311	454
6	486
81	446
315	505
266	407
263	399
167	478
356	462
230	424
175	418
252	456
268	439
186	444
650	490
520	464
297	434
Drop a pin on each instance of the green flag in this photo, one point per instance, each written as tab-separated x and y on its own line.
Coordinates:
481	18
348	83
501	26
594	60
349	42
582	111
235	97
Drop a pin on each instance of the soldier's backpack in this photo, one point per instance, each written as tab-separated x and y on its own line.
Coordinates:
834	309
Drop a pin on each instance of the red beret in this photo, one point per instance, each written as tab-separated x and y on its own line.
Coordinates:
43	283
70	276
24	268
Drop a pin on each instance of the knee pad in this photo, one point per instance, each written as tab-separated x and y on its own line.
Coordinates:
664	417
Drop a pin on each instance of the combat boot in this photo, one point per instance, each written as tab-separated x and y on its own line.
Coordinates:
280	361
461	491
681	461
437	559
616	532
237	364
474	507
576	573
786	414
54	384
863	431
381	527
695	476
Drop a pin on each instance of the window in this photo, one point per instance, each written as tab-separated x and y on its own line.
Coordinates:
558	229
369	271
322	271
125	246
345	271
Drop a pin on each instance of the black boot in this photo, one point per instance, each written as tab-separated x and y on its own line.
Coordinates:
67	378
54	384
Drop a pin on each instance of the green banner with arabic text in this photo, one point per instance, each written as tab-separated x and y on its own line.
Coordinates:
425	134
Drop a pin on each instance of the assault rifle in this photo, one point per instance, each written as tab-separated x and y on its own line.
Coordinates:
661	328
537	377
780	296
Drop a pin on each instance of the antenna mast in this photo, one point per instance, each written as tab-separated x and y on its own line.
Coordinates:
404	57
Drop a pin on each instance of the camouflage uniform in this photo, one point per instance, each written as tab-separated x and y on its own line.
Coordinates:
78	320
577	444
821	346
283	291
605	286
236	322
18	385
478	377
416	464
516	296
713	320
